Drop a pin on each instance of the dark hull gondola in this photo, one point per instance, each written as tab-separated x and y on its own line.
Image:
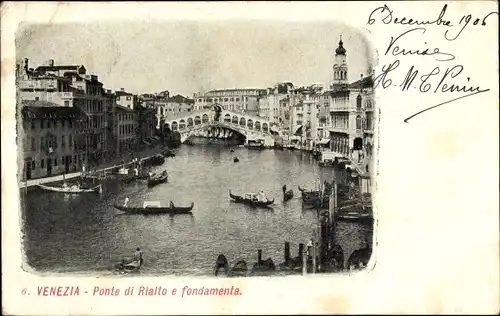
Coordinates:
155	210
242	200
157	180
288	195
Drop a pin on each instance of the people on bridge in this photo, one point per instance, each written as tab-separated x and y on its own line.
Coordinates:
126	201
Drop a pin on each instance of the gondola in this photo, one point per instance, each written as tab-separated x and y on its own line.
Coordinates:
250	202
131	266
158	179
155	210
288	195
72	189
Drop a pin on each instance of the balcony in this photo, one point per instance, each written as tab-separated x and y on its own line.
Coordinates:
340	109
339	129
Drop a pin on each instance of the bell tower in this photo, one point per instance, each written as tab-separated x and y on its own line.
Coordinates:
340	66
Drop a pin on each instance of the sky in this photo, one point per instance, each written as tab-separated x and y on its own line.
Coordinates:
185	57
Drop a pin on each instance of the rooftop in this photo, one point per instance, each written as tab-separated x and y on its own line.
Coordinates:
363	83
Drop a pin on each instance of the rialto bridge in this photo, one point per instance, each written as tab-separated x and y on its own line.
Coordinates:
223	123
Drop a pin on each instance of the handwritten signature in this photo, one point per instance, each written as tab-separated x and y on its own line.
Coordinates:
437	80
429	82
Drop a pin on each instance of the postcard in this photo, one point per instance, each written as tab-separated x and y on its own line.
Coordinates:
250	157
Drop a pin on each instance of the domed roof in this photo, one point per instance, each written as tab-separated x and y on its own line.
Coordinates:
340	50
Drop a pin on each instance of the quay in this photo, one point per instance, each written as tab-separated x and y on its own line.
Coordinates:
90	173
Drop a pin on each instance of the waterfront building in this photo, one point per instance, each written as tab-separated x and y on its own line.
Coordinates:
53	141
125	129
167	107
147	122
237	100
351	110
126	99
109	112
68	86
269	105
305	114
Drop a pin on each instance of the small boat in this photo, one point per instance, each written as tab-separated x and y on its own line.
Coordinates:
288	195
250	199
150	208
235	159
158	179
255	144
72	189
131	266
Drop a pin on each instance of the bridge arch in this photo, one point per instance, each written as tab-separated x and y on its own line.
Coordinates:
265	128
242	121
204	118
197	120
182	124
174	127
190	122
250	124
257	126
234	120
227	118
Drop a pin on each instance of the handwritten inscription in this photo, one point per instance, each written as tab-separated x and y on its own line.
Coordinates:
448	79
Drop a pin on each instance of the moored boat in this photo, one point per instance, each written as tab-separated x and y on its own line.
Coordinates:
72	189
250	199
158	179
150	208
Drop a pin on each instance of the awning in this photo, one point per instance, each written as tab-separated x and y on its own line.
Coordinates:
324	141
298	130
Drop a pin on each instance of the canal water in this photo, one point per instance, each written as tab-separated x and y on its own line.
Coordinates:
84	233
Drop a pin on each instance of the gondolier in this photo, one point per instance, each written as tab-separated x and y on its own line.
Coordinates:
138	255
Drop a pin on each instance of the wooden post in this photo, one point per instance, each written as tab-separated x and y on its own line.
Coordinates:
314	252
301	250
304	263
259	255
287	251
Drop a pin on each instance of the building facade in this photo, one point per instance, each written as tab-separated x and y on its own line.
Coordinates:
125	129
269	105
52	140
126	99
146	124
167	107
68	86
237	100
351	111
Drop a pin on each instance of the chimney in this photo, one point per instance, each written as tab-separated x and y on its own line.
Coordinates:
361	76
26	62
122	89
51	63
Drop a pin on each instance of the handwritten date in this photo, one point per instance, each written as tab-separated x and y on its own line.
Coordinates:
385	15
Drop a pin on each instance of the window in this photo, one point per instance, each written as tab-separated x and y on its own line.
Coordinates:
358	102
33	125
66	103
33	165
237	99
129	98
63	143
33	144
42	123
225	99
42	143
37	98
42	164
55	161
